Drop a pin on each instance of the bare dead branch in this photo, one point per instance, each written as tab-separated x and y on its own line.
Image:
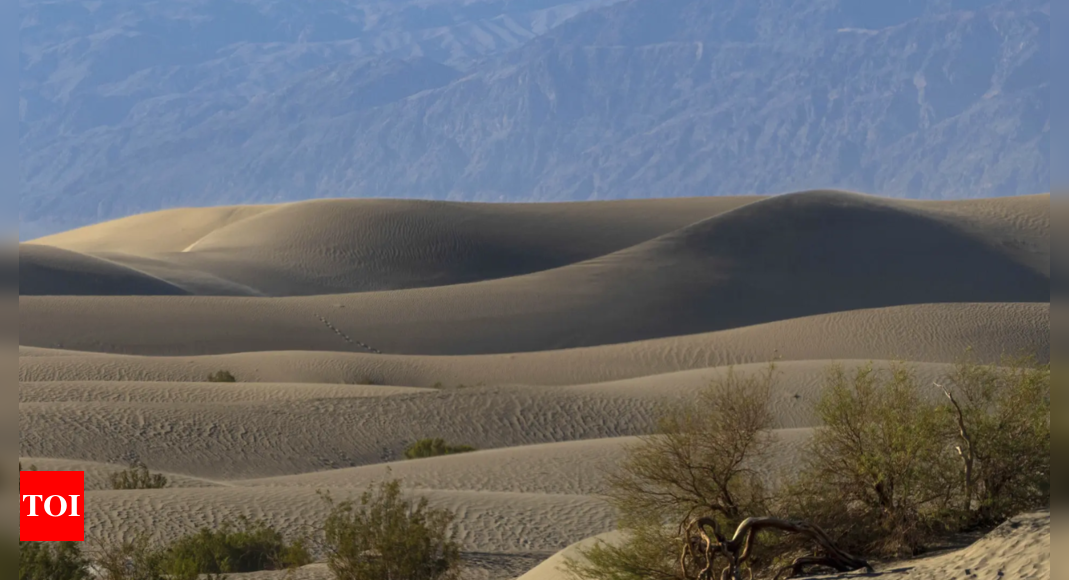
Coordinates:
740	548
967	451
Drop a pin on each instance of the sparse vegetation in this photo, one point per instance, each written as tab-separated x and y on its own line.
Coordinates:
434	448
137	476
136	559
222	377
1001	417
704	461
384	535
59	561
244	546
895	466
878	474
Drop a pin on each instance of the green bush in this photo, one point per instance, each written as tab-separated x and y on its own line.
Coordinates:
245	546
136	559
384	535
879	473
434	448
1002	437
61	561
892	470
222	377
705	458
137	477
896	466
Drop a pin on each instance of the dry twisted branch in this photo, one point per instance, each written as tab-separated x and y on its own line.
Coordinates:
704	548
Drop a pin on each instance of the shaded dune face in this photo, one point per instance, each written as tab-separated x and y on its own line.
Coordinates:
823	252
48	271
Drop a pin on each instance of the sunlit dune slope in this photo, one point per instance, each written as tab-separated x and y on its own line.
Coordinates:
335	246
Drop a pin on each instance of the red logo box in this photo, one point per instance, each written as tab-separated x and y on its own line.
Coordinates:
52	506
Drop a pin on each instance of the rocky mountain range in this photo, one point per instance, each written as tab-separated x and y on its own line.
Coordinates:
130	106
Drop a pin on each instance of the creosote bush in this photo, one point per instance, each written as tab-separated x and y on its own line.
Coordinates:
384	535
60	561
896	466
244	546
705	459
235	547
434	448
1002	437
222	377
137	476
136	559
878	474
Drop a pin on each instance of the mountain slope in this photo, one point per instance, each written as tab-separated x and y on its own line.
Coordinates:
635	99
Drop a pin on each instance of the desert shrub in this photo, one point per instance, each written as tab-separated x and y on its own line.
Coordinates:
384	535
1003	437
136	559
879	473
891	470
708	457
137	476
434	448
244	546
895	466
222	377
59	561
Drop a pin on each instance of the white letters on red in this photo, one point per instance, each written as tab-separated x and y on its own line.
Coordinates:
48	505
33	503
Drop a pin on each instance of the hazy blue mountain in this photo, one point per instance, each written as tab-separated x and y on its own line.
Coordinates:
134	106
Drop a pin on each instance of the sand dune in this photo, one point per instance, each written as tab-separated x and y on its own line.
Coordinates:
335	246
45	270
506	499
489	522
777	259
159	232
933	333
548	336
97	474
570	468
209	326
227	432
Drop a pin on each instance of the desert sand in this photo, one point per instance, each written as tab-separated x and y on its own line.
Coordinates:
548	336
